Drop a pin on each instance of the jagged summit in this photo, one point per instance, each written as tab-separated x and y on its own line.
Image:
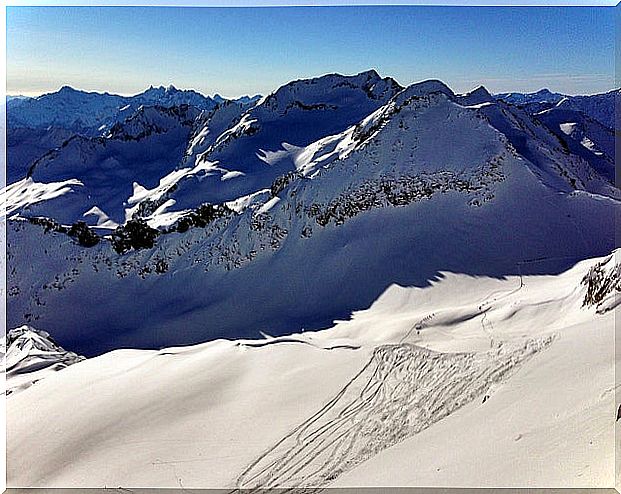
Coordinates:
477	96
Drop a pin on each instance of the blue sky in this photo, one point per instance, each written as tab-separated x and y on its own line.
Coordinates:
235	51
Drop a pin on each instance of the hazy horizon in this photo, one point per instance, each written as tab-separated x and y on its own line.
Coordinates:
252	94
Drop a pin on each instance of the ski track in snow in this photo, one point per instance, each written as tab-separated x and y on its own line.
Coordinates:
402	390
395	395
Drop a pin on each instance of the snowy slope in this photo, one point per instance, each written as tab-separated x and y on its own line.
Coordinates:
30	355
429	181
584	137
146	146
472	381
26	145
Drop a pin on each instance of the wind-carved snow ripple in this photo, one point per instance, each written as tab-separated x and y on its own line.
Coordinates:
402	390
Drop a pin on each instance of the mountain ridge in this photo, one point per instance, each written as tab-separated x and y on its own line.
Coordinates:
413	184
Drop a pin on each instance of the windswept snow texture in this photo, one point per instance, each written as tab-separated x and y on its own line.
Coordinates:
30	355
326	192
421	388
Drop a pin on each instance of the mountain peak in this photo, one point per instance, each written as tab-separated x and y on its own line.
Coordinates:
331	90
68	89
370	74
424	88
477	96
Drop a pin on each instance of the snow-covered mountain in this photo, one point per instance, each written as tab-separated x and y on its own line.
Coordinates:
293	212
91	113
369	276
100	172
262	143
543	96
584	136
229	152
513	373
244	100
600	107
30	355
234	151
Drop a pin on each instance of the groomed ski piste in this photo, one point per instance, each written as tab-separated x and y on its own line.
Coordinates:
469	382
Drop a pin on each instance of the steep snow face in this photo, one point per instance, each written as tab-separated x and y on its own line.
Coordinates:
417	389
548	154
211	125
419	186
31	355
404	138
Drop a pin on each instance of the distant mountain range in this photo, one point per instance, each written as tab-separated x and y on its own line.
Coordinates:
92	113
599	107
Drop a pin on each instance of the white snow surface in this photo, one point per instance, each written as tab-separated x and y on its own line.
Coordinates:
472	381
27	192
568	127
